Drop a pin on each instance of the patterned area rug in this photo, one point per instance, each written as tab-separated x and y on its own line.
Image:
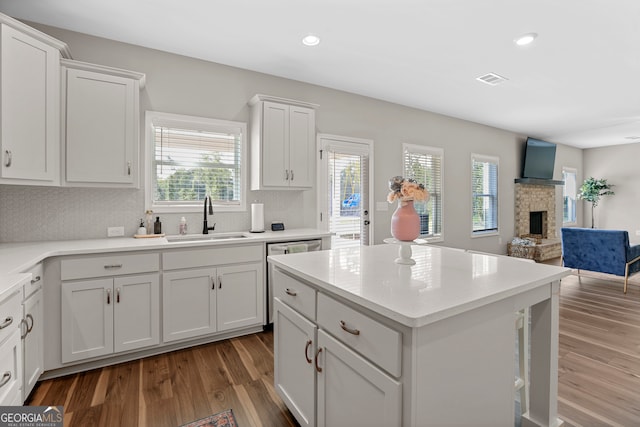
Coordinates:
221	419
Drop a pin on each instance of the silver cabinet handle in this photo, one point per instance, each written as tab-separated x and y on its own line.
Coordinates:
318	368
6	377
29	328
344	327
290	292
108	296
118	295
286	174
35	280
213	282
129	168
108	266
306	352
7	322
8	157
219	282
291	174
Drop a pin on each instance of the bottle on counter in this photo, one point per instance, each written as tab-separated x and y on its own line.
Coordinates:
183	226
149	217
157	226
142	230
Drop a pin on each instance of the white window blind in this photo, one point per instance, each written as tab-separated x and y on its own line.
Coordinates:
194	157
424	164
484	193
569	192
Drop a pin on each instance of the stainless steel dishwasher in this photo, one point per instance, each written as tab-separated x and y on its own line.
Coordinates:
280	249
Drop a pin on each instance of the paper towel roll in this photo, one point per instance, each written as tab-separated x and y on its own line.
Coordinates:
257	217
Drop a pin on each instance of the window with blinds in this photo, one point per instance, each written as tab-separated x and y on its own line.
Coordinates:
424	164
484	193
569	191
195	157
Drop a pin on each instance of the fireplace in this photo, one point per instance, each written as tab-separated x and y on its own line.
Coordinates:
538	224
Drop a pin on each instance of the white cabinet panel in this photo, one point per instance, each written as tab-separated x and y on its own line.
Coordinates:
87	319
32	341
294	371
136	312
302	126
30	120
189	303
10	369
240	296
351	391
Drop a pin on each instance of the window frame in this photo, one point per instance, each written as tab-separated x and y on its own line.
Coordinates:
432	151
574	171
482	158
157	118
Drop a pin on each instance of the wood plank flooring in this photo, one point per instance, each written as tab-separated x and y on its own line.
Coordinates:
598	381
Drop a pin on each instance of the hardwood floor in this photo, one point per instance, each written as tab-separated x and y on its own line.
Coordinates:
598	380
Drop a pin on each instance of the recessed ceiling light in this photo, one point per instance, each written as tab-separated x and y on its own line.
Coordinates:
525	39
311	40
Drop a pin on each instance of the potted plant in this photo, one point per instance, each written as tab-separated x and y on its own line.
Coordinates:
591	190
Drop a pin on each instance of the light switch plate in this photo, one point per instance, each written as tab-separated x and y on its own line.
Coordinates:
115	231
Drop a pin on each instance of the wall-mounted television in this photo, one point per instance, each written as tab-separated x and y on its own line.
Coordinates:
539	159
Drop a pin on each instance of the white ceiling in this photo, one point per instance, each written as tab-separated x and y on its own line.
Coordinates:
578	84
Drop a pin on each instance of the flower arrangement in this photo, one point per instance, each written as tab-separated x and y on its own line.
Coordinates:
406	189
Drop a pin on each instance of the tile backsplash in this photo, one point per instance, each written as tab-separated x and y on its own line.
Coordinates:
59	213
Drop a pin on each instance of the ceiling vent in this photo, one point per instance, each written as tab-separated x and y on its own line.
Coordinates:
492	79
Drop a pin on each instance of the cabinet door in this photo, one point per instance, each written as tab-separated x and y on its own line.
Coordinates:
240	296
32	342
87	319
294	349
136	312
101	131
275	145
188	303
11	370
301	146
30	120
351	391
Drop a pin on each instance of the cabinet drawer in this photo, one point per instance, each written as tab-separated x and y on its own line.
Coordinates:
294	293
10	369
10	314
375	341
212	256
111	265
37	276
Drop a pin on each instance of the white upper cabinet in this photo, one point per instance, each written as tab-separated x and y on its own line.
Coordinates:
100	125
30	93
282	143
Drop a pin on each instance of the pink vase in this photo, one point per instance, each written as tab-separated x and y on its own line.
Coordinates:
405	222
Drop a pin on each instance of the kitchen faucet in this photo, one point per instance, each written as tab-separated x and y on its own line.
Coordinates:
205	226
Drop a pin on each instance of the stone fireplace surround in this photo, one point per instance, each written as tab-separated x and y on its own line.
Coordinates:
537	198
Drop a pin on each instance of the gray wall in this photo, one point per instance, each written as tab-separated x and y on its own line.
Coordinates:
619	166
184	85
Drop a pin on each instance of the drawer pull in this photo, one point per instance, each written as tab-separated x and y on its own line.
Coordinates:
108	266
29	328
35	280
8	156
26	328
6	377
306	352
346	329
290	292
7	322
318	368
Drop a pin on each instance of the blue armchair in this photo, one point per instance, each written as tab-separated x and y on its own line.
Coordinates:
604	251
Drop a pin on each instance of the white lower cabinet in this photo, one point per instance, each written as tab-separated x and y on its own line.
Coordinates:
32	341
201	301
103	316
322	379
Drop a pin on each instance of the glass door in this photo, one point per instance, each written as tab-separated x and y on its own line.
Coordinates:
344	190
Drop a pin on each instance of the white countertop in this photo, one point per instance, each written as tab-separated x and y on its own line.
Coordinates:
18	257
443	282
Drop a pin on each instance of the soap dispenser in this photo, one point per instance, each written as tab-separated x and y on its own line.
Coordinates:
142	230
157	226
183	226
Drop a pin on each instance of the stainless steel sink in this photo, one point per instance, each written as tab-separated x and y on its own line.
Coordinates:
205	237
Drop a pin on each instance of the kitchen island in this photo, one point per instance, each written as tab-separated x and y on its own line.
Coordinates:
361	340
